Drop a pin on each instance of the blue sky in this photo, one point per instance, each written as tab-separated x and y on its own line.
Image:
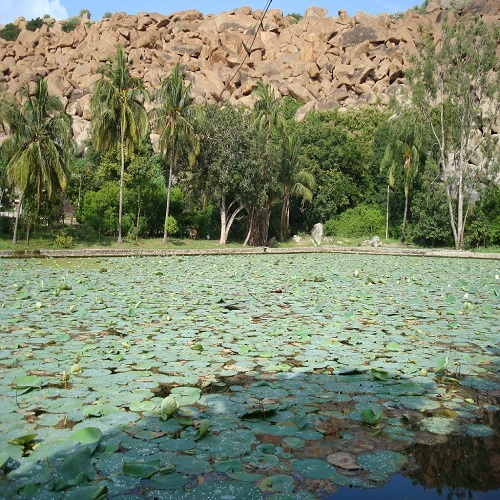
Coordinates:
62	9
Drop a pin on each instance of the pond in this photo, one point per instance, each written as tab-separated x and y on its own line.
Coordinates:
236	376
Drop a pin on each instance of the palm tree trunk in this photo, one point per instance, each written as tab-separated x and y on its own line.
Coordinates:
404	220
122	175
16	223
285	217
138	217
170	174
387	215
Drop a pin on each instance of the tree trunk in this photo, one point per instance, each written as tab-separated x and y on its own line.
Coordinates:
28	226
404	219
259	229
122	175
170	174
226	220
18	214
285	217
387	214
138	217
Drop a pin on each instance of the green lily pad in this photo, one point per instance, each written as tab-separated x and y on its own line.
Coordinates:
27	383
89	436
186	395
382	463
313	468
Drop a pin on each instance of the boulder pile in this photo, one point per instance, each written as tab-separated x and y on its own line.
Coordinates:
324	62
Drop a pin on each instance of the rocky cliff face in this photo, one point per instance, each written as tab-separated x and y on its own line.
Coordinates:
324	62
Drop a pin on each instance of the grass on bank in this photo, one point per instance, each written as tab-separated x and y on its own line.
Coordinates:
79	238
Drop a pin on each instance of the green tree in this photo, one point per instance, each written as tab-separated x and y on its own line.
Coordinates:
98	210
268	116
10	32
429	221
334	155
402	152
39	144
229	159
174	118
293	179
455	88
118	116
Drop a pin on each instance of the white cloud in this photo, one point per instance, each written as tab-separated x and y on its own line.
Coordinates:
10	10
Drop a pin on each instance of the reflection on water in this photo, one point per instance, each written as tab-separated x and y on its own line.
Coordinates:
462	462
463	467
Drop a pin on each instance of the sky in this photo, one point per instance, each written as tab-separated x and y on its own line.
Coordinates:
63	9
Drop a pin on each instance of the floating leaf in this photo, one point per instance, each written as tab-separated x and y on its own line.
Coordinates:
259	414
371	417
186	395
88	435
139	469
202	429
314	469
442	364
379	374
4	456
27	383
343	460
23	440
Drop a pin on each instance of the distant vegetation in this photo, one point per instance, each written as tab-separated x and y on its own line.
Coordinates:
34	24
84	12
71	24
10	32
238	175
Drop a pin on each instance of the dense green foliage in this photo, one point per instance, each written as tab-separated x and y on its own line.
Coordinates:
34	24
363	220
71	24
10	32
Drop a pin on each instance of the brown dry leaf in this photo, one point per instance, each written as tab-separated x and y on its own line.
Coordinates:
343	460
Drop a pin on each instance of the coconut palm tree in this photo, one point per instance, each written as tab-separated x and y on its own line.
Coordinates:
39	144
173	119
268	116
293	179
118	115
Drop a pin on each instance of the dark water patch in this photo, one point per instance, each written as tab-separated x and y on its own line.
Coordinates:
402	487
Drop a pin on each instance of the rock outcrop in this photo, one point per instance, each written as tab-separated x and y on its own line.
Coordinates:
324	62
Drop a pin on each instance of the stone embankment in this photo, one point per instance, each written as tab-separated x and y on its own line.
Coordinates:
143	252
324	62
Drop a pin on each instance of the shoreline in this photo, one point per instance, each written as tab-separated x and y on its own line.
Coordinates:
138	252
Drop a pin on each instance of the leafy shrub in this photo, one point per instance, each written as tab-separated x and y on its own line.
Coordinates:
83	12
295	17
171	225
363	220
107	15
10	32
64	240
71	24
34	24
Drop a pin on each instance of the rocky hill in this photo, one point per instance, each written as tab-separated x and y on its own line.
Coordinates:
324	62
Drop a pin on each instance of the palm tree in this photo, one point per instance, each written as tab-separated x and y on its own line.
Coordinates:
173	118
118	116
38	146
294	180
397	154
268	116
